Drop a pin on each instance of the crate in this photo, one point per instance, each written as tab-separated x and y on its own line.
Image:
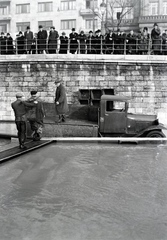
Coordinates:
108	91
96	94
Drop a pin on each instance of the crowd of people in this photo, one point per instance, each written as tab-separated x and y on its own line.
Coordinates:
112	42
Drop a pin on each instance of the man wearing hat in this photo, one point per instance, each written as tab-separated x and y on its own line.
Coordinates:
73	41
20	40
2	44
19	108
82	42
164	42
35	115
90	42
61	106
28	40
42	37
63	43
52	40
156	39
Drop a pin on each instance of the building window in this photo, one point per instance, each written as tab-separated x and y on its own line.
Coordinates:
45	7
46	24
68	24
21	26
3	10
67	5
22	8
153	9
89	23
89	4
3	28
165	8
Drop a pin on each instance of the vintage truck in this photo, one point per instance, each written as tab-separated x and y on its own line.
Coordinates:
115	121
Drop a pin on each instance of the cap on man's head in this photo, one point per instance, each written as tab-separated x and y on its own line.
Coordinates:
28	27
2	33
20	32
90	31
155	24
82	32
33	91
73	29
40	26
8	34
63	33
19	95
58	81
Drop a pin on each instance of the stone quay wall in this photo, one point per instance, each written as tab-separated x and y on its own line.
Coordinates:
144	78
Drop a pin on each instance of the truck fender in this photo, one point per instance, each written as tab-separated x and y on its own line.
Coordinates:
151	128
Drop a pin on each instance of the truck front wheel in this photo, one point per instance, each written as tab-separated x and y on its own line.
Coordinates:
155	134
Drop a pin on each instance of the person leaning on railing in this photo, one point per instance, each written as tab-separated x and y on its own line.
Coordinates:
9	44
41	39
63	44
82	42
28	35
20	43
90	43
73	37
164	43
52	40
2	44
156	39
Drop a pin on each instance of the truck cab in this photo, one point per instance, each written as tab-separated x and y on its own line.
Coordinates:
114	119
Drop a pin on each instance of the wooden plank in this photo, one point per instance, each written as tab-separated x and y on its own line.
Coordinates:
16	151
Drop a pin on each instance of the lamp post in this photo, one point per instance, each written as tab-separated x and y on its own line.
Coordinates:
103	10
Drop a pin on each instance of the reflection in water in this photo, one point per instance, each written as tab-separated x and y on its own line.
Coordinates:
85	191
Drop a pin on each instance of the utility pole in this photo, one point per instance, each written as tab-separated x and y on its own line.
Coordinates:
93	10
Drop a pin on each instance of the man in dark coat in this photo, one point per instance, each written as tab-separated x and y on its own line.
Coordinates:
20	111
42	38
98	42
61	106
156	39
109	42
35	115
63	43
131	42
28	40
90	42
73	41
3	43
82	42
119	41
52	40
20	40
9	42
164	42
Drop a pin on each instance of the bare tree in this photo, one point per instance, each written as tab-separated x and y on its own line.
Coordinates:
125	7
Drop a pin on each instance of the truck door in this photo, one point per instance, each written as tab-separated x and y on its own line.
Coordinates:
115	117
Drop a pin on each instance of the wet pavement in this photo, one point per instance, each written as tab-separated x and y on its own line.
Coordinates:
85	191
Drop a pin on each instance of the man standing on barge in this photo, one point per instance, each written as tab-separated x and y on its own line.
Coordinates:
61	106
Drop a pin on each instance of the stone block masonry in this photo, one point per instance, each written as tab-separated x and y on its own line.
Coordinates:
144	78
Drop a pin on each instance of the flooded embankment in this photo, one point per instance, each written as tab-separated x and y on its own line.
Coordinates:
85	191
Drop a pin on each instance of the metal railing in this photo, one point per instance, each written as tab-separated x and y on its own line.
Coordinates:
38	46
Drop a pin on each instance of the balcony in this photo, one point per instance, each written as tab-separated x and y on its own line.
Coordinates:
6	17
152	19
86	12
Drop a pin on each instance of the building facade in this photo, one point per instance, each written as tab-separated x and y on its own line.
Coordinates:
16	15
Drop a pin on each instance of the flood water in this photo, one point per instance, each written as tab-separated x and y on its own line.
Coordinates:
85	191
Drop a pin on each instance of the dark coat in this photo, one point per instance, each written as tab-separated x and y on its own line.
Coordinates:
9	48
20	44
63	44
3	45
73	42
156	39
82	42
52	41
60	96
42	37
28	39
90	42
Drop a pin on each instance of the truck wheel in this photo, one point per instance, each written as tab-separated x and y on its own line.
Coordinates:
155	134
